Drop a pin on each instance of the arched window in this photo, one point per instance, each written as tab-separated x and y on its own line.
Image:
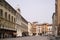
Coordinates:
1	12
9	17
12	18
6	15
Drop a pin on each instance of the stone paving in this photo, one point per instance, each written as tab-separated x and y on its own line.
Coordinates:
29	38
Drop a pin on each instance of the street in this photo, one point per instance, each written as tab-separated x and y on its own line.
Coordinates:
29	38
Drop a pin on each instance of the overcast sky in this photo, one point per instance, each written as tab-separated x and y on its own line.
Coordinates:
35	10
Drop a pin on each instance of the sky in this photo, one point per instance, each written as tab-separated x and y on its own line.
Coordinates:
35	10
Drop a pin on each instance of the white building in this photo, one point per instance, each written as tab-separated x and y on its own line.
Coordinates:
39	29
30	29
21	25
49	30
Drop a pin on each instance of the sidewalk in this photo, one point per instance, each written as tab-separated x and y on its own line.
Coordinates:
57	38
54	37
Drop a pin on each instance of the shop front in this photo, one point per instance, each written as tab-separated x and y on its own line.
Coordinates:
7	33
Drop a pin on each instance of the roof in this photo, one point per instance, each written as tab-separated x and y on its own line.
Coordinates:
24	19
44	24
10	6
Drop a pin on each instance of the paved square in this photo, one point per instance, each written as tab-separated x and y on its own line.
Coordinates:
29	38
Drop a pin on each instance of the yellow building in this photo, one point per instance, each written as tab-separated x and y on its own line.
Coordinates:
34	27
7	20
39	29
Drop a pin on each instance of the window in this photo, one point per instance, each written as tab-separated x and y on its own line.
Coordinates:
0	2
0	25
6	15
12	18
49	29
1	12
9	17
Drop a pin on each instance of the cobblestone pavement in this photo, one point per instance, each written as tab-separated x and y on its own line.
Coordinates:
54	38
29	38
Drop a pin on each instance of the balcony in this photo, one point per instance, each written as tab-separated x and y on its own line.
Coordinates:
8	28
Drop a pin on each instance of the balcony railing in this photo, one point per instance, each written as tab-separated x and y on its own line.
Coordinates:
8	28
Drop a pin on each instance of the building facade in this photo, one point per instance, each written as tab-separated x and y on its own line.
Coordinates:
49	29
34	28
7	20
39	29
30	29
21	26
44	29
54	28
18	23
57	11
24	25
